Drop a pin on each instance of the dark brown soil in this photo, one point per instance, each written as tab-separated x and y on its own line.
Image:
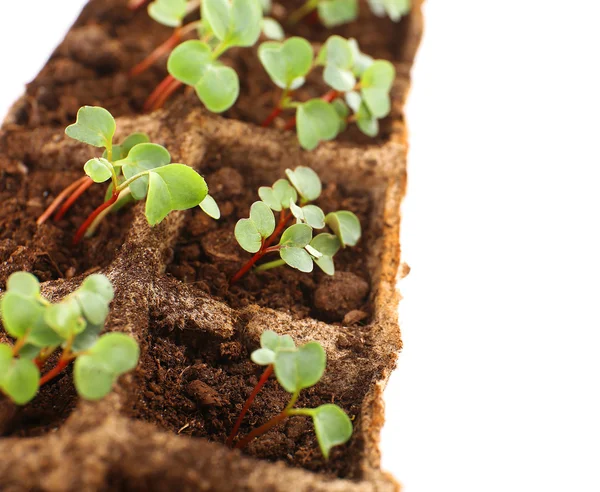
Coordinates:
208	254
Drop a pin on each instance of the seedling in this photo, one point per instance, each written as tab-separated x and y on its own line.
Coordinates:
357	82
224	24
334	13
296	368
73	325
137	170
297	247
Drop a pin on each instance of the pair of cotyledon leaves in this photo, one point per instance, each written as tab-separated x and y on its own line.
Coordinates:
76	321
298	368
166	187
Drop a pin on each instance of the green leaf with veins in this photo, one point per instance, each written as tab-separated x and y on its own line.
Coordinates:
270	343
20	380
287	63
297	258
247	235
297	369
332	426
188	61
334	13
314	216
272	29
306	181
338	58
23	283
94	126
216	14
173	187
218	88
262	217
143	157
346	227
235	23
122	150
327	245
317	121
278	197
210	207
376	83
297	235
168	12
98	169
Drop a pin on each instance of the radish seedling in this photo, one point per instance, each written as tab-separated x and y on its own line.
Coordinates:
356	80
333	13
297	247
296	368
73	325
137	170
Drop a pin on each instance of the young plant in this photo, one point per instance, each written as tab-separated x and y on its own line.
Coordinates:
137	170
357	82
297	247
334	13
296	368
224	24
73	325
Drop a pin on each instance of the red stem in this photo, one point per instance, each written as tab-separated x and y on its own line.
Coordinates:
157	94
261	430
88	222
274	114
263	379
136	4
327	97
161	50
85	184
60	367
159	103
264	248
57	201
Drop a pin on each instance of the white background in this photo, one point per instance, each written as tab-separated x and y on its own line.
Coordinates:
497	387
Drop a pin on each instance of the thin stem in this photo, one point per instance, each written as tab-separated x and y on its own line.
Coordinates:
278	109
219	50
271	249
159	103
85	183
81	231
330	96
63	362
302	12
270	265
261	430
19	344
94	226
157	92
58	200
136	4
263	379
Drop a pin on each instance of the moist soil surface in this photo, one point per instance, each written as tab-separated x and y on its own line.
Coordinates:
192	383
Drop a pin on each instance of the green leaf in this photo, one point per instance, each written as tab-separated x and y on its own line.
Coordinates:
314	216
65	318
306	181
340	79
173	187
366	123
326	264
337	12
168	12
343	113
332	427
286	62
19	313
94	307
376	83
247	235
263	357
92	377
263	218
6	358
246	23
326	244
346	227
269	340
118	351
210	207
20	381
217	14
218	88
94	126
297	258
272	29
266	5
29	351
361	61
336	52
394	9
23	283
99	284
317	121
143	157
297	235
130	142
42	335
278	197
300	368
188	61
98	169
87	338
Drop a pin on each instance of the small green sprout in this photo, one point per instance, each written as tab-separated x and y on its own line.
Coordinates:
297	246
137	170
74	324
334	13
296	368
357	81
